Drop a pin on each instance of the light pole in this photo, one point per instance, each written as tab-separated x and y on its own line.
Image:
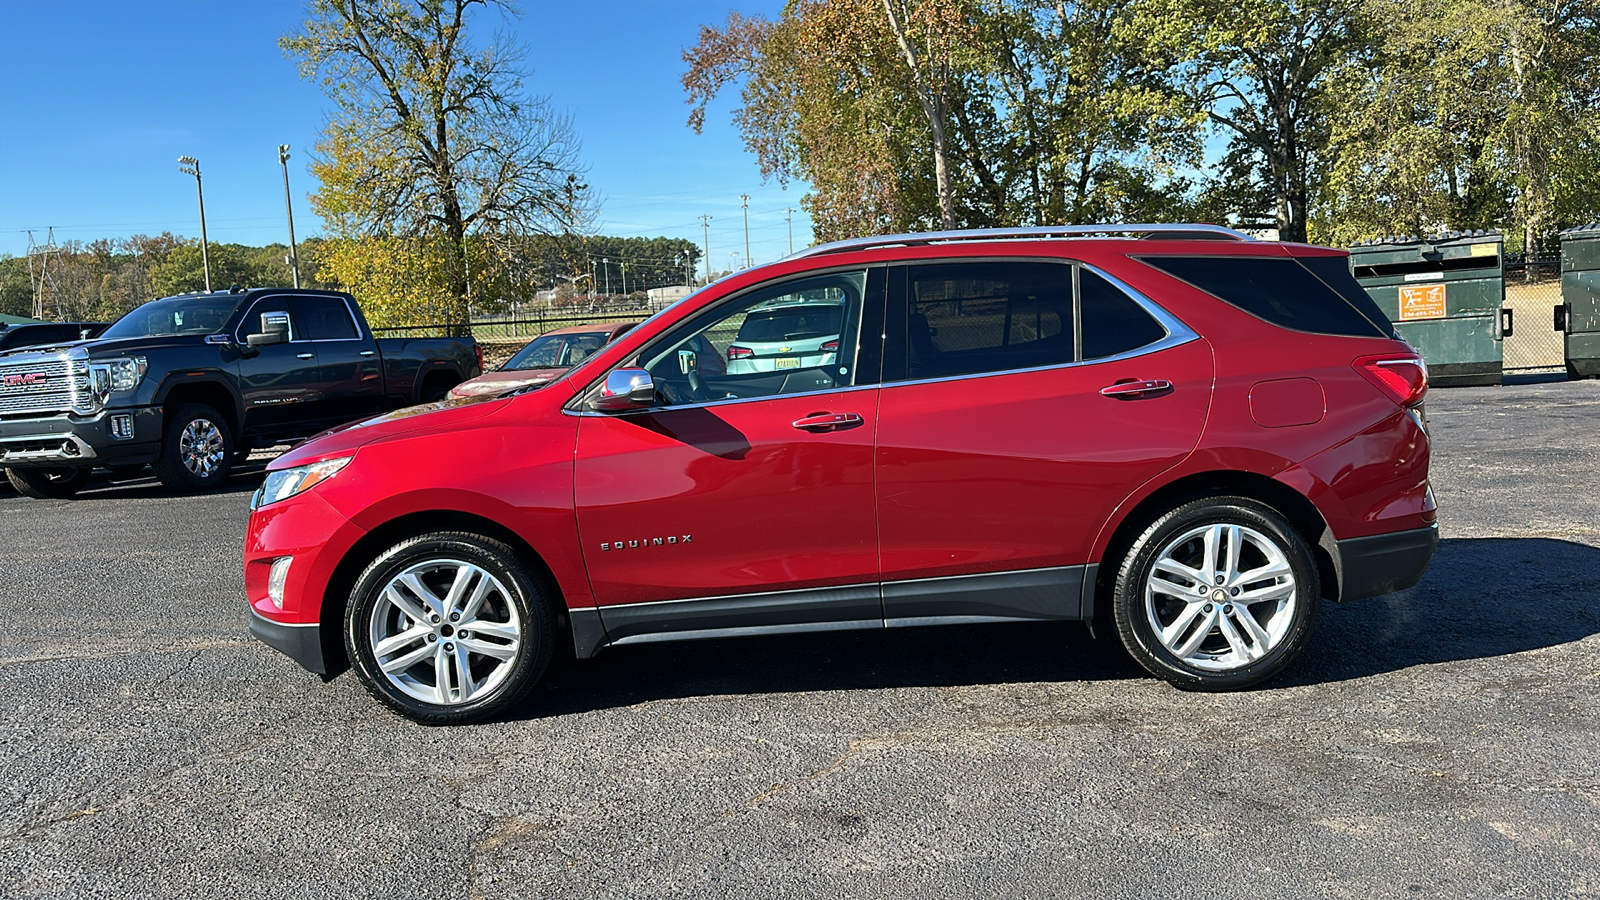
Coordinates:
188	165
746	199
705	223
606	265
788	216
294	253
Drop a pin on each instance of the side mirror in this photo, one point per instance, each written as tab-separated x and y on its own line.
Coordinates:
274	330
626	389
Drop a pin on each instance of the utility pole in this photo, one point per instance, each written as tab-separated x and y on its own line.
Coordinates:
788	216
188	165
294	252
746	199
705	223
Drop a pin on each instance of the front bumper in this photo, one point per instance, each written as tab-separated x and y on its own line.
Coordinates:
76	441
1383	563
300	642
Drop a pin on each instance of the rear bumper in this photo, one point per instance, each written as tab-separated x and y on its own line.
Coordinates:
1382	563
301	643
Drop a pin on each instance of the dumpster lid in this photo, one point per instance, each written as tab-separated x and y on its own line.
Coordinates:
1467	235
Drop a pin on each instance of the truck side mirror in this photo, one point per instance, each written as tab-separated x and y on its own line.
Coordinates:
274	330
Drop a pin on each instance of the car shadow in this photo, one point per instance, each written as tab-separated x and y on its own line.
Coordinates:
106	487
1481	597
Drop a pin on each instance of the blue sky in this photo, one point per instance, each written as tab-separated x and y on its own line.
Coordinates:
98	100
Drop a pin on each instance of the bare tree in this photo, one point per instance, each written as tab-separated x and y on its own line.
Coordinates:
432	136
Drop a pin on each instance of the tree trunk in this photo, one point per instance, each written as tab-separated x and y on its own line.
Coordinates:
933	107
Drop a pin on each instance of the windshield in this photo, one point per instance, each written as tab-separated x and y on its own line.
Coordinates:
175	316
557	350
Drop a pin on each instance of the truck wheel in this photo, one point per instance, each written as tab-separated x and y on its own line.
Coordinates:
48	483
196	450
436	388
449	628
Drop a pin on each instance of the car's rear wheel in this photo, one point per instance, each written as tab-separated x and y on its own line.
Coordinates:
449	628
48	483
1218	594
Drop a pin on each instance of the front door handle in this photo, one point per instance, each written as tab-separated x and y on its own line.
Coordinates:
1135	390
826	421
368	352
304	355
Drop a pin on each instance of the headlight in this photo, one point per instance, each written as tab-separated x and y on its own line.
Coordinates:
121	374
285	483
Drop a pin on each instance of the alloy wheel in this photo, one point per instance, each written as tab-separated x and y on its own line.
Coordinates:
200	447
1220	597
445	632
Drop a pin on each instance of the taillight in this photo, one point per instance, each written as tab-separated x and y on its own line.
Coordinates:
737	352
479	348
1403	378
829	346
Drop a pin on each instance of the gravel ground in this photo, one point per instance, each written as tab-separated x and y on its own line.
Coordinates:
1438	742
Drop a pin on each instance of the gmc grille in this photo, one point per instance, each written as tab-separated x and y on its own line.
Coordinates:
42	387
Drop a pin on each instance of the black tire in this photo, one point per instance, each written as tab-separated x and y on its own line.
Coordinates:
436	388
517	604
184	466
1217	661
48	483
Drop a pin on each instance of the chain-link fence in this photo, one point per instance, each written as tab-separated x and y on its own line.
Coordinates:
501	336
1533	291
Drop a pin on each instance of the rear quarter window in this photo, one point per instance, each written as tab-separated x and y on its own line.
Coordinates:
1282	290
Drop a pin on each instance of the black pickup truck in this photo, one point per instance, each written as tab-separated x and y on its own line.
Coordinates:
189	384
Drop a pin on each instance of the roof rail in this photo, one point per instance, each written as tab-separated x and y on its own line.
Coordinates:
1012	234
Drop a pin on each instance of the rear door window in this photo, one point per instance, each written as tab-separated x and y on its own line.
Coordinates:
1112	323
973	317
323	319
1279	290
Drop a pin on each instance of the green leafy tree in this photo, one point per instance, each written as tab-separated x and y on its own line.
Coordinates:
432	136
953	112
1261	69
1470	114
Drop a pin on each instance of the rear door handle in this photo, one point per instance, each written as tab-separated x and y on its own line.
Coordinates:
826	421
1134	390
304	355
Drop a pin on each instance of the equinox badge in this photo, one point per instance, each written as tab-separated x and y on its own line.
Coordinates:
646	542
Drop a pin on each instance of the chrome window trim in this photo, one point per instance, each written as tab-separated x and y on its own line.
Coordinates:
1178	333
727	401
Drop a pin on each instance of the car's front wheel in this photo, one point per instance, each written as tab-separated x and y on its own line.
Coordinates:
196	450
448	628
1218	594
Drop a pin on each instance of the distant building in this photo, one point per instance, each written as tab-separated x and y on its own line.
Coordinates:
662	297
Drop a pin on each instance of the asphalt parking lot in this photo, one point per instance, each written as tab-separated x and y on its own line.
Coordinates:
1440	742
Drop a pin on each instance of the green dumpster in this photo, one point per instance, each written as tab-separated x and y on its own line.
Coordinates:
1443	295
1579	312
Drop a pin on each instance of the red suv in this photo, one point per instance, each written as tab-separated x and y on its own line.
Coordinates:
1188	435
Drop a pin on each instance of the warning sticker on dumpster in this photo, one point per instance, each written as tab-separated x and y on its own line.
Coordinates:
1421	301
